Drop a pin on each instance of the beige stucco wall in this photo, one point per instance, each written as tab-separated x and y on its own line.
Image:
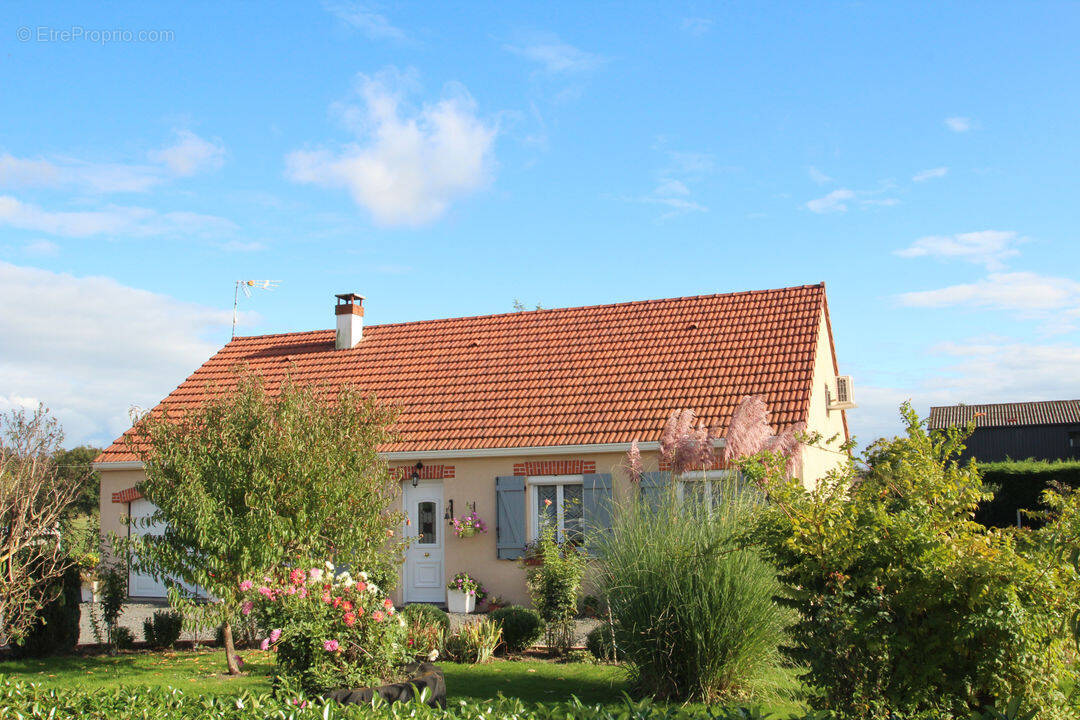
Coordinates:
113	513
818	460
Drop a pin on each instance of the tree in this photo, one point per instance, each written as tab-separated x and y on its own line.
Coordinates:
34	499
253	480
83	535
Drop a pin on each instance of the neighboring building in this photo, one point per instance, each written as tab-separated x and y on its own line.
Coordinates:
501	412
1047	430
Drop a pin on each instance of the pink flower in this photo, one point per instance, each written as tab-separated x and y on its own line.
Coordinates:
266	592
331	646
297	577
346	606
300	703
633	462
388	603
748	431
275	635
378	616
327	599
265	644
302	592
246	585
246	607
291	590
349	619
361	586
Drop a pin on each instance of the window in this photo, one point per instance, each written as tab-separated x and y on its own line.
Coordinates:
1074	439
557	500
711	489
426	523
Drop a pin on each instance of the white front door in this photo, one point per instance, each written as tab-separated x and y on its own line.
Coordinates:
424	581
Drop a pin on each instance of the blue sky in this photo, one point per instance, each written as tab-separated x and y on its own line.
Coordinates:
443	161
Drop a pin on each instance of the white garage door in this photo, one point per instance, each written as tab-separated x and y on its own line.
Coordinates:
141	584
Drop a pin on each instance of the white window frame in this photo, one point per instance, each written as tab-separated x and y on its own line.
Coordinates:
693	476
531	483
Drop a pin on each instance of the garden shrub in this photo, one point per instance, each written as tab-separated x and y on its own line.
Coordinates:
112	581
692	606
163	629
474	642
554	586
521	627
428	613
55	631
905	604
123	638
600	642
329	631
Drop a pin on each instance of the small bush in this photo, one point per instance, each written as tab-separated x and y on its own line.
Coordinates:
56	630
429	613
554	586
692	605
599	642
163	629
123	638
475	642
521	626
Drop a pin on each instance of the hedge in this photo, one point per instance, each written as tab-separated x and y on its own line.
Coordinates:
28	701
1018	485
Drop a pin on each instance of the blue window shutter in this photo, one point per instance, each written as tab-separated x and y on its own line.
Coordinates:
596	501
510	517
653	486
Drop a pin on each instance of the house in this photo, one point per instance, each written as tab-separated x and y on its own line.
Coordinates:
501	412
1048	430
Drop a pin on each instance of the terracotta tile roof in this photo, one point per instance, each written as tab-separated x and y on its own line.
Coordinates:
586	375
1050	412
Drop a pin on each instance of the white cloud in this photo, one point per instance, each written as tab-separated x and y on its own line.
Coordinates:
696	26
958	124
557	57
190	154
366	19
1021	292
42	248
985	247
930	174
110	220
79	174
817	176
127	347
240	246
973	371
408	168
836	201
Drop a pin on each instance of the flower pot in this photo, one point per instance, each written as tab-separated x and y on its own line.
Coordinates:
460	602
534	560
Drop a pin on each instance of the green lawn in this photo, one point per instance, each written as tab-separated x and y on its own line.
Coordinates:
201	672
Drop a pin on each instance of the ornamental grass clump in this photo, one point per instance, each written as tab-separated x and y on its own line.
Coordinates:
328	630
693	608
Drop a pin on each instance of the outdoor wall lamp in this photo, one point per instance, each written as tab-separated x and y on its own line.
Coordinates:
416	473
449	516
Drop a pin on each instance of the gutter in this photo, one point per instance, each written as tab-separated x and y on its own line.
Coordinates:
474	453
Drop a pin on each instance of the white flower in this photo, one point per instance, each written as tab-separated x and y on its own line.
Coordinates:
344	579
401	621
329	566
315	574
433	656
363	576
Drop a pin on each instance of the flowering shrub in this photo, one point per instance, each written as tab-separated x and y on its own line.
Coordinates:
469	525
328	630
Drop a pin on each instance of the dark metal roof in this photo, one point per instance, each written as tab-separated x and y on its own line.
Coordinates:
1049	412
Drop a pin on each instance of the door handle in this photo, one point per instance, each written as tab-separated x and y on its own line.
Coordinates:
427	554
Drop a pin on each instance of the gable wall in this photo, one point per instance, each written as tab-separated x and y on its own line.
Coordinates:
819	460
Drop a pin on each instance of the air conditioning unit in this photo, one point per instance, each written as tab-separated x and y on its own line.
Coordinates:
845	394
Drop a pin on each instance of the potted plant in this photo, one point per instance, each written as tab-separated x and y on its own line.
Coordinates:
461	593
469	525
532	556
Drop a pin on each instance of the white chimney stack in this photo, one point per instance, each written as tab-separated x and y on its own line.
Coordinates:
350	320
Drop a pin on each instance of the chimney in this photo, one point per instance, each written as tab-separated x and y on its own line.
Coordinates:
350	320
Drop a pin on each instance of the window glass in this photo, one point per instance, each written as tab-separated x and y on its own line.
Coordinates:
426	524
572	513
547	505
